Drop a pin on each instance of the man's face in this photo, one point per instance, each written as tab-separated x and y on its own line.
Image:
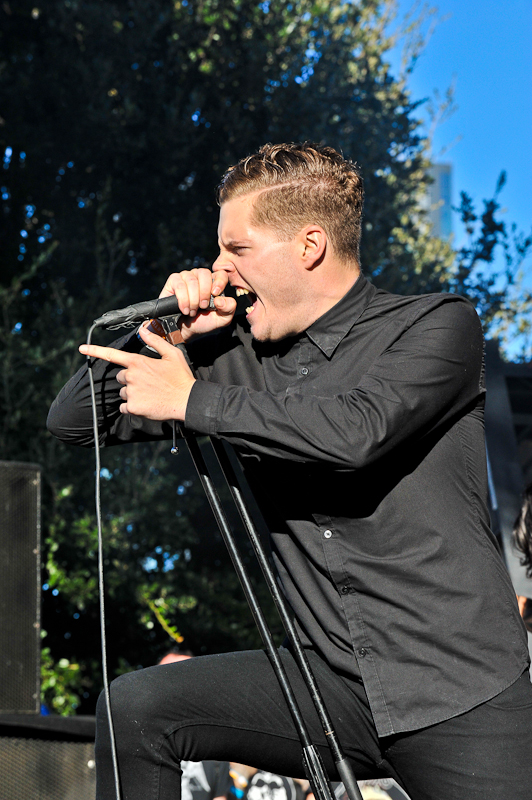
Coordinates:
280	303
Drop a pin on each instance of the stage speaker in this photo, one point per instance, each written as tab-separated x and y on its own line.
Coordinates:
20	578
47	758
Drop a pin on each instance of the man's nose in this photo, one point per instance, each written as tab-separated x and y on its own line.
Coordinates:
223	263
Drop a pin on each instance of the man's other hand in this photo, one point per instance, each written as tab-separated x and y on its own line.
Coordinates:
154	388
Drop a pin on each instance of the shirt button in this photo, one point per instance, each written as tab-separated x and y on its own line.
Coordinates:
362	652
327	534
304	371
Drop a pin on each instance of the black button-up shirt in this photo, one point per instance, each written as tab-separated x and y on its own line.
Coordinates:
362	440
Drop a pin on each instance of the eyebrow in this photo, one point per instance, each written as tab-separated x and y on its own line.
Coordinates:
234	243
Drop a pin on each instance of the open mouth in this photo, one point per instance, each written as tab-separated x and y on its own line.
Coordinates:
250	298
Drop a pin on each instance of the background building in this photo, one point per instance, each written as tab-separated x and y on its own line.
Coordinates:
439	194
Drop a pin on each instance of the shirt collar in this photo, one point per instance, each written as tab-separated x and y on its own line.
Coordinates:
329	330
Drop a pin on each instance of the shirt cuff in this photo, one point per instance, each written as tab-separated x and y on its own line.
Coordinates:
202	408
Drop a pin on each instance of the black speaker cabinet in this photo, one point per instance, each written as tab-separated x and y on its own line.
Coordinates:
20	489
46	758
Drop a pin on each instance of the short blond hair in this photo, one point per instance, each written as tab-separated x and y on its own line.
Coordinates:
301	184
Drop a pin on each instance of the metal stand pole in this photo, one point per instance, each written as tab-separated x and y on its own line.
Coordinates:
312	761
343	766
311	758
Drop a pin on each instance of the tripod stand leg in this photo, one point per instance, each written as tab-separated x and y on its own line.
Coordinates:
342	764
311	759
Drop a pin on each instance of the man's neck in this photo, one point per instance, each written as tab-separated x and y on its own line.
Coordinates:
333	284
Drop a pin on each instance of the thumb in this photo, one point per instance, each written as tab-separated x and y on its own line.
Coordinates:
225	306
158	343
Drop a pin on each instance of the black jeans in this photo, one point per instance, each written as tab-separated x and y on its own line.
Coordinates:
229	707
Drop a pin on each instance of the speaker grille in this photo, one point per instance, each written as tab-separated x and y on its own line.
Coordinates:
20	486
37	769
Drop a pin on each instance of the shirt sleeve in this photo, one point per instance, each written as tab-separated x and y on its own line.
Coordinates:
427	377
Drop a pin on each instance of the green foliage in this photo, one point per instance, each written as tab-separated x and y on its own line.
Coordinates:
118	120
141	108
502	301
62	684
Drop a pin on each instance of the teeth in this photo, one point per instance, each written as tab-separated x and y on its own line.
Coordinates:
249	309
240	292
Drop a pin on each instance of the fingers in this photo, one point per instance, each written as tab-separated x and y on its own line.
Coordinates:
157	343
108	354
205	287
219	282
193	289
124	359
208	321
155	388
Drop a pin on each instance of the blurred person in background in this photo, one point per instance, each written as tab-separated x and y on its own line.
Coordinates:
523	542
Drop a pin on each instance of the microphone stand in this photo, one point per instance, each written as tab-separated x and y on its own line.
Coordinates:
343	766
312	762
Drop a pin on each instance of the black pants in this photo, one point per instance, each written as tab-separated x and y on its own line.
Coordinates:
229	708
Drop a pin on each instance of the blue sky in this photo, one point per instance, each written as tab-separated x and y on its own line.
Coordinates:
485	48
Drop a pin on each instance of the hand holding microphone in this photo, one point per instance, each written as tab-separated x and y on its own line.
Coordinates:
190	295
158	389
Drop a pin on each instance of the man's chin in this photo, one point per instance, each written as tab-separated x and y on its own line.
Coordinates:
258	332
265	336
261	337
271	336
263	330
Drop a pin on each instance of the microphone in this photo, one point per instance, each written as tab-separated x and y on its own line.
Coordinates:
131	315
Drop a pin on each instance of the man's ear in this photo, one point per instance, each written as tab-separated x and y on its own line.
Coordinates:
311	245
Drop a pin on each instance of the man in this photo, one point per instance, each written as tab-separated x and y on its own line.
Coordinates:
357	417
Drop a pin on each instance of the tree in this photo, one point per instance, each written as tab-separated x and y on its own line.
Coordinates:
118	119
501	300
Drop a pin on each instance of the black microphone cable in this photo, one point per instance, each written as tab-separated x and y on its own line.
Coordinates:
101	592
119	318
